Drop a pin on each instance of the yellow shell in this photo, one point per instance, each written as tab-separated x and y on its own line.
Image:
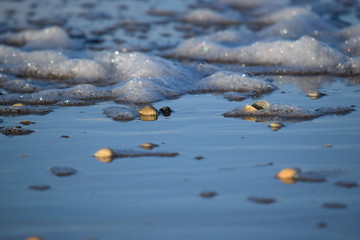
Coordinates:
314	95
260	105
288	173
148	110
148	146
275	126
104	152
249	108
18	105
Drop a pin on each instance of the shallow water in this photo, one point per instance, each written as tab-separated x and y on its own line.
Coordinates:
153	61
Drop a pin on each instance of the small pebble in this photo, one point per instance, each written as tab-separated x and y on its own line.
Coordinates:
346	184
26	122
288	173
166	111
275	126
334	205
199	157
262	200
208	194
321	225
148	146
39	187
327	146
62	171
18	105
65	136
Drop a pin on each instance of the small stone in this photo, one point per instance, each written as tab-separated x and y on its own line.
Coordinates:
166	111
148	110
260	105
288	173
18	105
346	184
39	187
199	157
262	200
321	225
62	171
327	146
334	205
65	136
26	122
208	194
148	146
249	108
275	126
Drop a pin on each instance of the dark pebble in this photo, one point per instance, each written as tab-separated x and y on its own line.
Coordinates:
262	200
62	171
166	111
208	194
65	136
346	184
39	187
321	225
335	205
199	157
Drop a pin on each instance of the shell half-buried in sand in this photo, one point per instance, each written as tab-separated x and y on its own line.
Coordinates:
259	105
148	113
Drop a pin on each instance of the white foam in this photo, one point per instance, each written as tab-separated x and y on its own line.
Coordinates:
206	16
228	81
305	52
47	38
48	64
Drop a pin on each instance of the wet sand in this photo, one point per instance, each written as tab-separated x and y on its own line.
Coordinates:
156	197
218	181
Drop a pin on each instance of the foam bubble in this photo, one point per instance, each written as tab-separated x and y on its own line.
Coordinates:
224	81
206	16
305	52
47	38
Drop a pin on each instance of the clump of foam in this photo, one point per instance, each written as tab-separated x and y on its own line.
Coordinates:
48	64
224	81
286	113
206	16
23	110
293	23
305	53
47	38
120	113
